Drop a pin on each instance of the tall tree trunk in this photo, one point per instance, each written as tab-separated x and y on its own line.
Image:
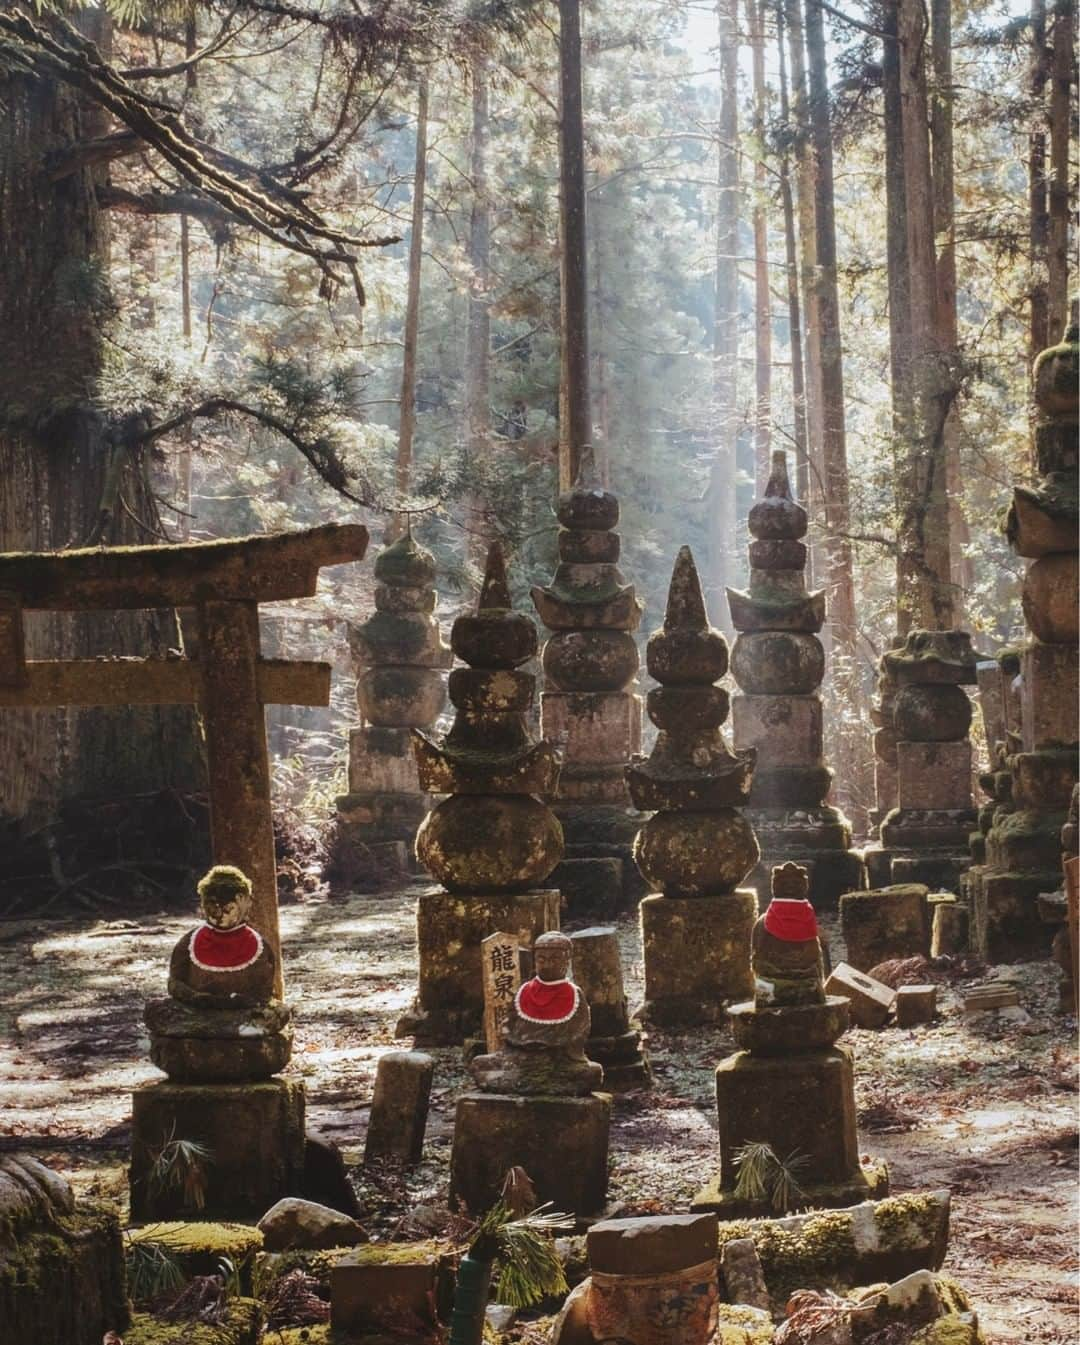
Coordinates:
575	408
839	573
602	446
478	330
805	178
791	260
925	596
1057	307
1039	216
407	421
941	144
725	383
762	294
67	477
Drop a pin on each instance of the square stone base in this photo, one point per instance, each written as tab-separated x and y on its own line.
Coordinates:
934	775
786	730
449	929
796	1103
892	922
1048	689
395	1288
254	1133
697	955
871	1182
589	887
594	727
381	761
939	871
561	1142
1005	924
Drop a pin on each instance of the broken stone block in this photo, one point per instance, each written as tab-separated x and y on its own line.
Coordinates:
955	1328
871	1243
571	1326
397	1287
612	1041
561	1142
949	930
887	923
307	1226
325	1179
399	1106
915	1004
870	1000
744	1281
934	776
983	997
910	1302
653	1280
62	1272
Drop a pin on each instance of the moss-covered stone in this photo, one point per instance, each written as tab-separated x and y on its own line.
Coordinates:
242	1326
738	1324
200	1248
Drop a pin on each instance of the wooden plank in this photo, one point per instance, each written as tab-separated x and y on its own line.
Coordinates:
238	770
264	568
12	649
138	681
500	959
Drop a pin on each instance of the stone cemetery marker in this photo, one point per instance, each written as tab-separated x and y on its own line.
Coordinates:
399	1106
501	961
870	1000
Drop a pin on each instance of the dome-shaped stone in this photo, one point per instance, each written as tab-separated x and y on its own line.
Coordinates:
686	650
778	663
588	509
931	714
403	564
777	517
1056	376
590	660
684	854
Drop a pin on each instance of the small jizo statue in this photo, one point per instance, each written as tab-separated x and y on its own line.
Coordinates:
223	961
784	948
543	1051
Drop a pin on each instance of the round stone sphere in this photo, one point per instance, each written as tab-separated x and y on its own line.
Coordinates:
1055	376
400	697
778	663
405	599
489	843
1050	598
403	564
588	509
494	639
696	854
590	660
931	713
776	518
687	710
777	554
681	657
589	546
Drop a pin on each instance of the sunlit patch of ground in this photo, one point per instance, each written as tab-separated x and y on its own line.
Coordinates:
984	1106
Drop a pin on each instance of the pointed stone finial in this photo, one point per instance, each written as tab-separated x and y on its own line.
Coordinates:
495	590
686	603
778	483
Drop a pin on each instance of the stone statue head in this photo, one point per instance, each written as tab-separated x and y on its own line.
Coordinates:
552	956
225	897
790	882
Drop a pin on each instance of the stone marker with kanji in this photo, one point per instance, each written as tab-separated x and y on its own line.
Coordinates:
534	1104
698	846
500	959
222	1037
229	681
494	840
789	1085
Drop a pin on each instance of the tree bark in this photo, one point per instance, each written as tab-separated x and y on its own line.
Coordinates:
575	409
67	476
852	764
1057	306
762	293
407	420
925	595
805	179
478	329
1038	211
725	316
944	209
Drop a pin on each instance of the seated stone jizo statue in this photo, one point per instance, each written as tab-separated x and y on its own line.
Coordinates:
543	1050
784	947
221	1021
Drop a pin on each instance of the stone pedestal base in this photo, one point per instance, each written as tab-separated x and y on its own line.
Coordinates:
604	831
891	922
254	1135
371	845
1005	924
561	1142
871	1182
796	1103
624	1061
697	955
449	929
590	888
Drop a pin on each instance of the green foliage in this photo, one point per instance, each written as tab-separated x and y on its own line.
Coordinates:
153	1268
181	1165
522	1248
764	1176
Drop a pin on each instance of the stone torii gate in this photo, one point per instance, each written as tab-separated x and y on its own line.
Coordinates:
229	681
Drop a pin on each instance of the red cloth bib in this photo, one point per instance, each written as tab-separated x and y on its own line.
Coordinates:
792	921
547	1001
225	949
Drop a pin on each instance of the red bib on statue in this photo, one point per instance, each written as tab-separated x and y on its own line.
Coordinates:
547	1001
792	921
225	949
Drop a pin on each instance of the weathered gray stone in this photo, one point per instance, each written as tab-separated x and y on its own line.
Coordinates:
399	1106
306	1226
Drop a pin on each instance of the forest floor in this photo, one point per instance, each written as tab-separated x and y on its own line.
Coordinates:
982	1104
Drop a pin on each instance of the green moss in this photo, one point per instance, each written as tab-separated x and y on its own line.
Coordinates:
955	1329
271	1266
738	1324
243	1326
203	1239
908	1221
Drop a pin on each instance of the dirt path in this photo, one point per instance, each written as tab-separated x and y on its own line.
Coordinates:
984	1106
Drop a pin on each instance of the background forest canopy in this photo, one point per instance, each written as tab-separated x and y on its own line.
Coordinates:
211	213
